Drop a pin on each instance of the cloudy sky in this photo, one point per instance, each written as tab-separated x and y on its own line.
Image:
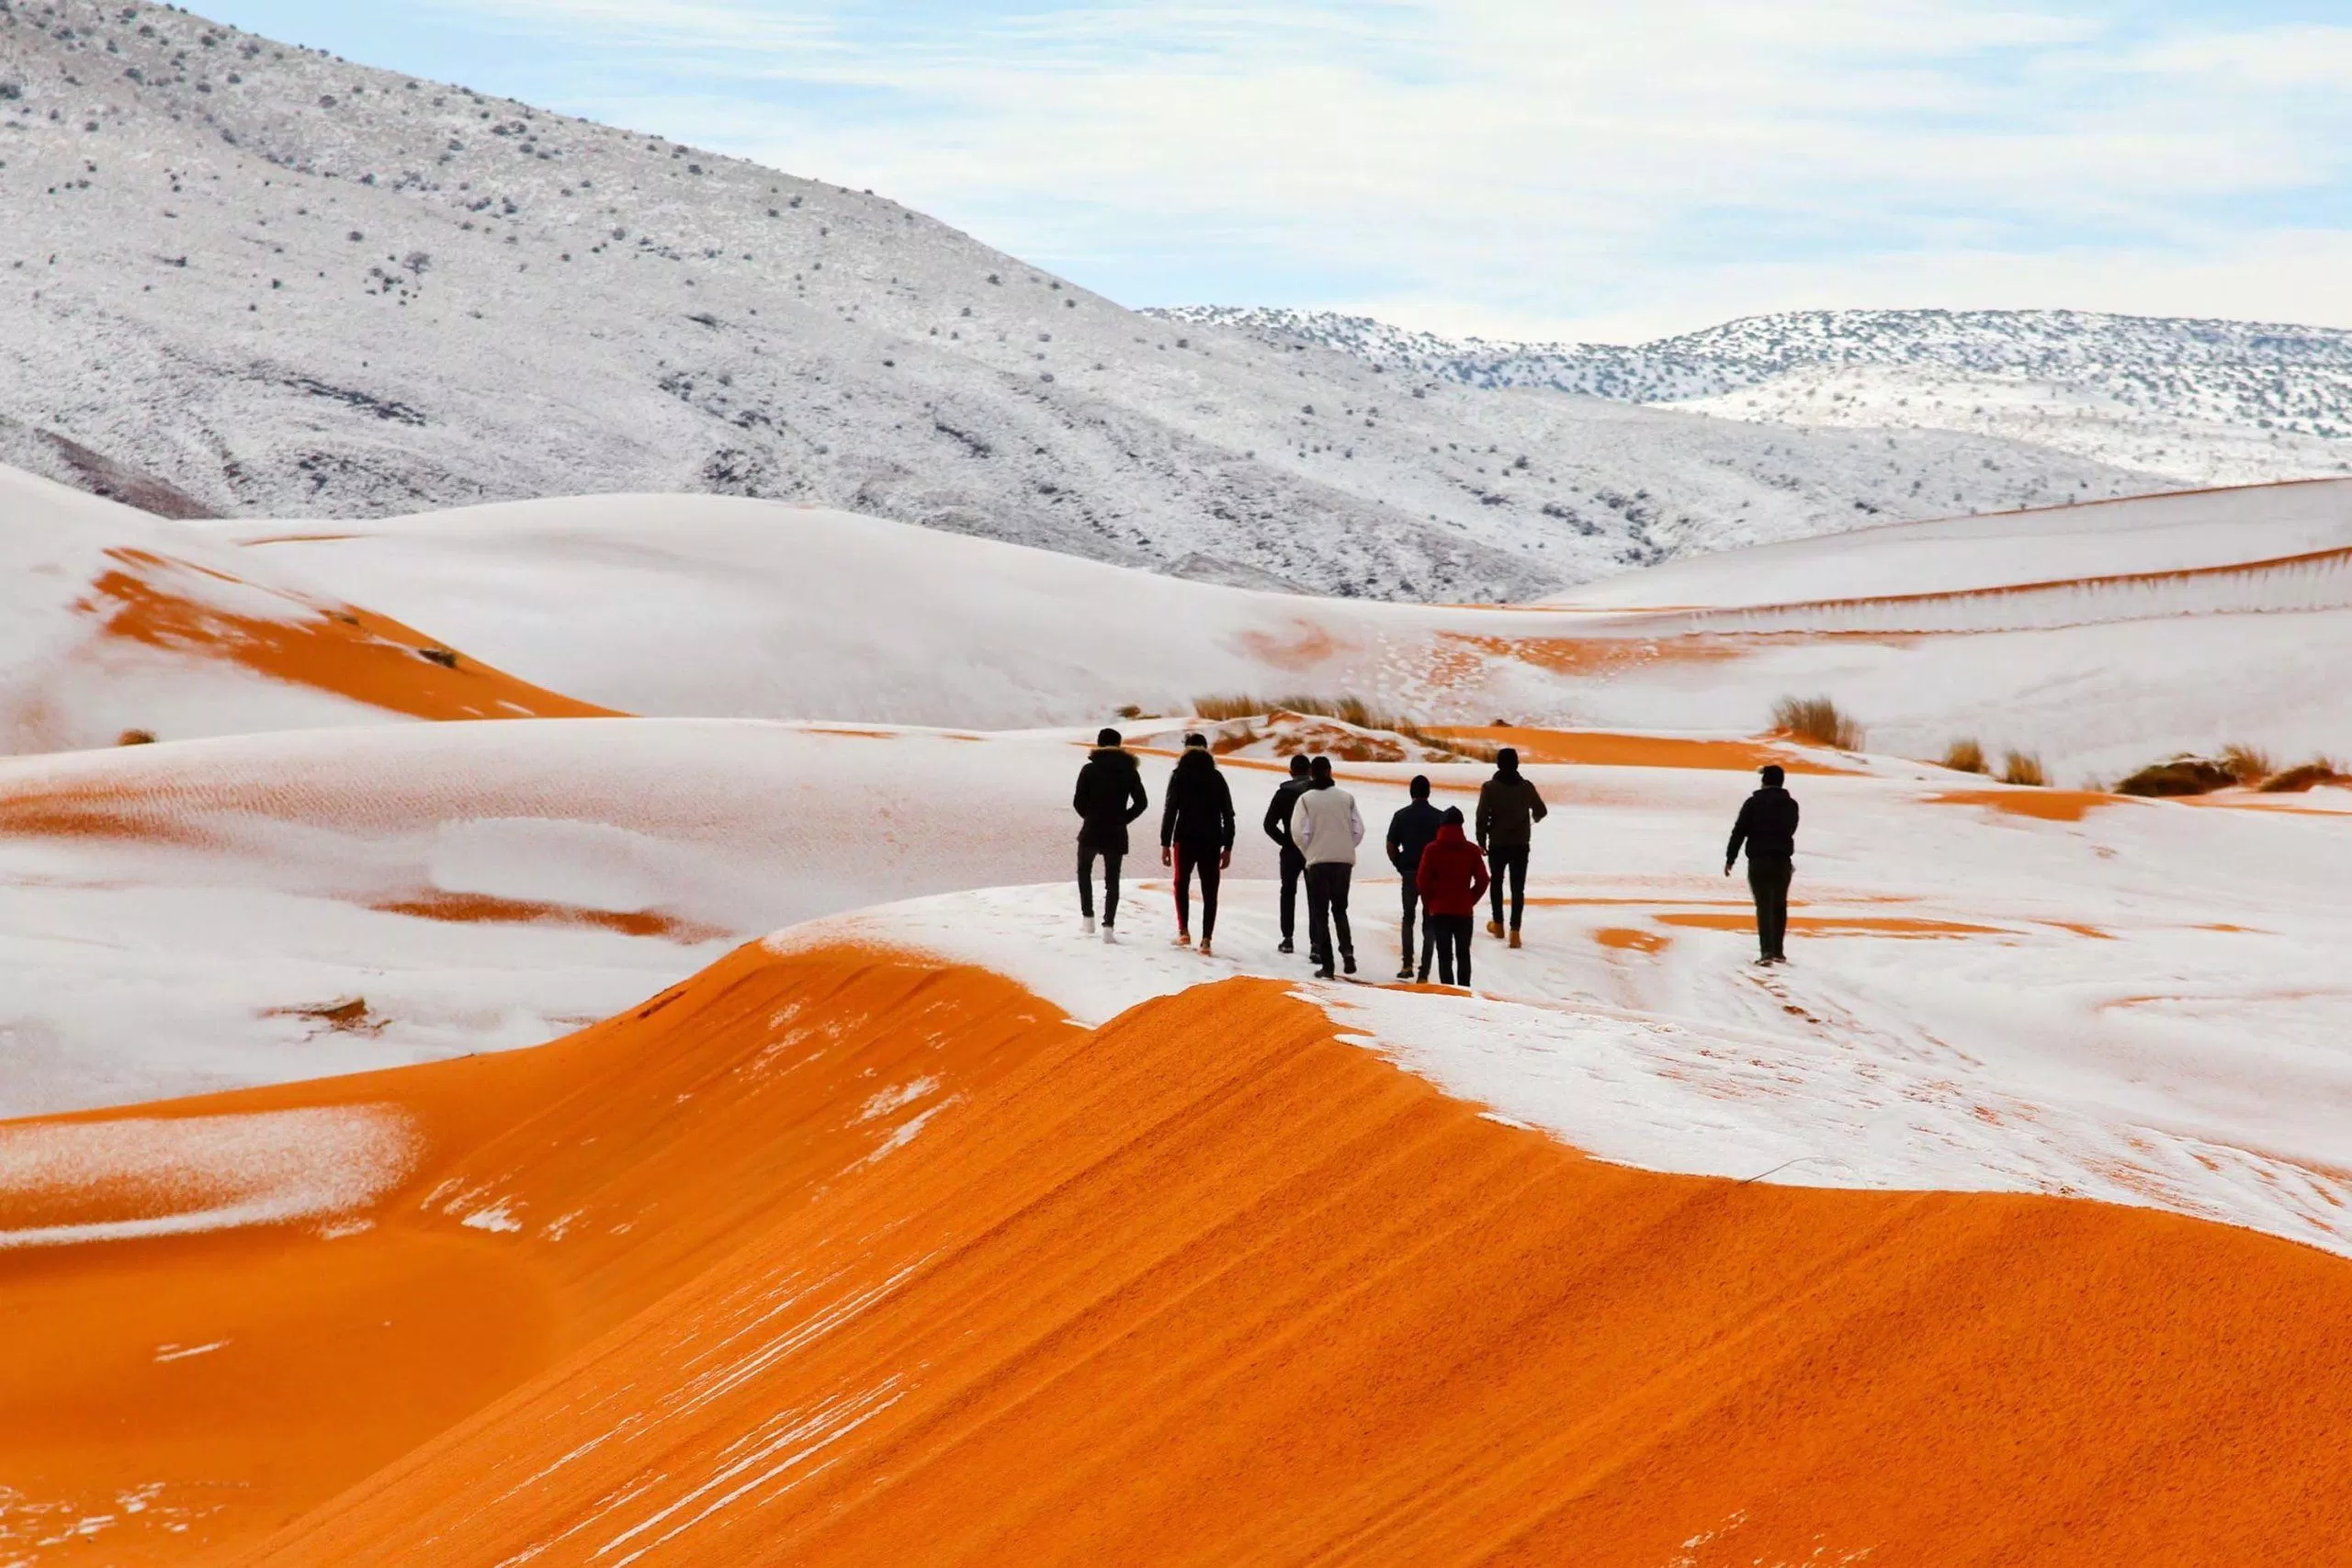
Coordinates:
1518	168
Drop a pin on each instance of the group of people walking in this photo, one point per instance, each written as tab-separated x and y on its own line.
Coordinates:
1316	828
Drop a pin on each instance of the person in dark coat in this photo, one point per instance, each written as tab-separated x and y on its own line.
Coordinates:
1277	827
1409	832
1452	875
1196	834
1767	827
1508	809
1109	796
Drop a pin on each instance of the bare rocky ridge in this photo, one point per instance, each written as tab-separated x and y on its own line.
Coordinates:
270	282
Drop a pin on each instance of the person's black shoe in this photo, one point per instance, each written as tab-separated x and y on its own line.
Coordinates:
1325	974
1404	972
1348	962
1285	947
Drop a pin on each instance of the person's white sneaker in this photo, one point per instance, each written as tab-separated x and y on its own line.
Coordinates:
1110	936
1089	925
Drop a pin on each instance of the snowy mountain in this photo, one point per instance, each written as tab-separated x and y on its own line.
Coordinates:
2200	401
248	279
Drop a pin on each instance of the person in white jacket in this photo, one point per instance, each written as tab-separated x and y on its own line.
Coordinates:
1326	829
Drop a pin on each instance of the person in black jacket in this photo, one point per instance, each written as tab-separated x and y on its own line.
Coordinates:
1109	796
1277	827
1409	832
1509	808
1196	834
1767	826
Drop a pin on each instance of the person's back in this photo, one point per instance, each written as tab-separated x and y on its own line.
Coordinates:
1509	807
1197	836
1409	832
1326	828
1767	828
1451	876
1108	796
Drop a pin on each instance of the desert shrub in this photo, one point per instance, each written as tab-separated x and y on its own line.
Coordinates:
1131	711
1349	710
1233	705
2023	768
1816	719
147	738
2247	764
2181	775
1964	756
2305	775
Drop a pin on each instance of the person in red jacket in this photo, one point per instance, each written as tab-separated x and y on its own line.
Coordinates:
1452	874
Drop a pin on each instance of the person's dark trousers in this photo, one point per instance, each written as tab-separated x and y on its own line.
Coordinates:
1327	908
1768	880
1451	935
1293	867
1405	939
1511	858
1429	947
1190	858
1086	853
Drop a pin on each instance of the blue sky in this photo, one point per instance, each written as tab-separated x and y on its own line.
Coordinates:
1541	168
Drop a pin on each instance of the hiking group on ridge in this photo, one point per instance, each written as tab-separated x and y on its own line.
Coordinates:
1316	828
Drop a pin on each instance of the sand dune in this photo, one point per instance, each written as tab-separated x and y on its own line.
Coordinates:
837	1258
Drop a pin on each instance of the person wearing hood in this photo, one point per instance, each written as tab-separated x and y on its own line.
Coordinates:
1409	832
1508	809
1451	876
1109	796
1196	834
1326	829
1767	827
1293	865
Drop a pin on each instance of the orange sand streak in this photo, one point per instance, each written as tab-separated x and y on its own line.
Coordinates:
483	908
1837	925
2046	805
1628	939
1605	749
351	652
1598	655
1206	1285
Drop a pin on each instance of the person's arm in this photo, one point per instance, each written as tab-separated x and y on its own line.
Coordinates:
1302	825
1137	801
1395	843
1738	836
1168	818
1478	877
1277	818
1225	822
1535	801
1355	822
1077	796
1486	811
1794	812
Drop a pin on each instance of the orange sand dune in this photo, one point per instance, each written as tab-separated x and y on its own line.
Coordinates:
1834	925
1607	749
2045	804
162	603
836	1259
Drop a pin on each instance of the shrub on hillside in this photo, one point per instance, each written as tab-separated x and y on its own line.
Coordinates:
1816	719
2182	776
1964	756
2023	768
147	738
2247	764
2305	775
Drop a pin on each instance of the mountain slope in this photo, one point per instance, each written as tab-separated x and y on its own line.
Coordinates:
2202	402
262	281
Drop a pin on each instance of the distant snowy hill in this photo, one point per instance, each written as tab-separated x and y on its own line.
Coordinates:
2202	402
246	280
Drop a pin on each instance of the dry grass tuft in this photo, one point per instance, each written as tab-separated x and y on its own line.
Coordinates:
1816	719
2247	764
2024	768
135	738
1348	710
1964	756
2305	775
2181	775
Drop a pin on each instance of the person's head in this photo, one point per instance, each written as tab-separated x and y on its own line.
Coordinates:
1772	776
1453	817
1196	743
1420	787
1298	764
1319	770
1109	739
1506	760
